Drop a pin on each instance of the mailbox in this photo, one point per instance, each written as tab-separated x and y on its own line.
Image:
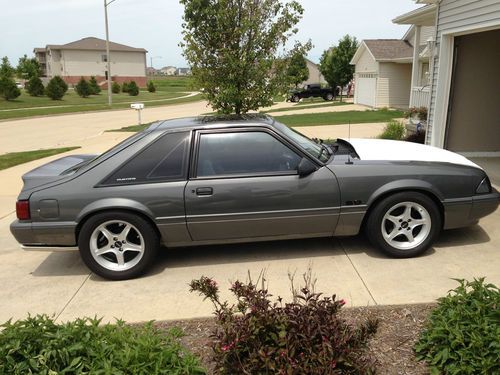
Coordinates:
137	106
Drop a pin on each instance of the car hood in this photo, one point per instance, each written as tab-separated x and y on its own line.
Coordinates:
381	149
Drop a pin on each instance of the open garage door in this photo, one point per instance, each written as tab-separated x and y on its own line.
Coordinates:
366	89
473	121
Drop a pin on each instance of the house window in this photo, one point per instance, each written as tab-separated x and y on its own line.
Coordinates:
104	58
424	74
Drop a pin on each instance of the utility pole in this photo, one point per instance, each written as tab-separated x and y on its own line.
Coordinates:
108	59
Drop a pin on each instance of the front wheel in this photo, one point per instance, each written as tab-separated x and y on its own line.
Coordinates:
118	245
295	98
404	225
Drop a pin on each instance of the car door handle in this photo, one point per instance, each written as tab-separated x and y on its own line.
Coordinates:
204	191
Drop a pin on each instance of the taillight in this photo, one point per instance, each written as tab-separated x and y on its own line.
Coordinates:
23	210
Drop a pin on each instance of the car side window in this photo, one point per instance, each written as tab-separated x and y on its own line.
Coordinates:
165	159
243	153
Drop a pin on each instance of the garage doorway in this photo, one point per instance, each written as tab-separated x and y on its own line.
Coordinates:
366	89
473	124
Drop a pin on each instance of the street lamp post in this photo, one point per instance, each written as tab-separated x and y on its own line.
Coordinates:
108	59
151	60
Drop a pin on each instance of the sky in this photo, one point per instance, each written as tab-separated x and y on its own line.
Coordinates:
156	24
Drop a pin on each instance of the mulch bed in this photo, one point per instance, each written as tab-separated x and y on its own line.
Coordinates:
392	346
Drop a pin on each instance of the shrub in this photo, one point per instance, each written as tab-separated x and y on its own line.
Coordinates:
82	88
35	86
462	333
133	89
393	130
56	88
37	345
420	112
8	88
418	137
95	89
151	86
115	88
125	86
306	336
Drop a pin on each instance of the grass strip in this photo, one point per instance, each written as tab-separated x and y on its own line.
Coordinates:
12	159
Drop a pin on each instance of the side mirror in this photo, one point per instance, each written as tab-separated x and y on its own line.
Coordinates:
306	167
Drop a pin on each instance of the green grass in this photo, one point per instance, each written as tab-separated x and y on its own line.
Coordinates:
336	118
72	103
15	158
132	128
300	107
173	83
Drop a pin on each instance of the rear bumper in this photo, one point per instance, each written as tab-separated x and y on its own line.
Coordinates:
467	211
54	234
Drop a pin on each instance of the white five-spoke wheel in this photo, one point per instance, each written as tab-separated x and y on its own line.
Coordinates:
404	224
118	245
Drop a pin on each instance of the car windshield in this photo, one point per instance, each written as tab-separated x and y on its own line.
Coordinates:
307	144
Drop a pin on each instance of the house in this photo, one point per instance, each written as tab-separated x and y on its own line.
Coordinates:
315	75
168	70
384	68
87	57
183	71
464	80
150	71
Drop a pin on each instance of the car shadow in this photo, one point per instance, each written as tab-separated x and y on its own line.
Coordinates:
69	263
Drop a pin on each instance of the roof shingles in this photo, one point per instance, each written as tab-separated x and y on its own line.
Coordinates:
95	44
389	49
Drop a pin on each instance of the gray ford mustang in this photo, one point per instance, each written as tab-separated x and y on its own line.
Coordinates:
209	180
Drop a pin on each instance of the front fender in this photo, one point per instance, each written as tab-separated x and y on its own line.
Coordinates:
405	184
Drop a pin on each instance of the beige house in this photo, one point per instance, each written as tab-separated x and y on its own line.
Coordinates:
383	69
315	75
463	88
168	70
87	57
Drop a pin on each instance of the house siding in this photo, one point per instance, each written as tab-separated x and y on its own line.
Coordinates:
366	63
393	85
453	14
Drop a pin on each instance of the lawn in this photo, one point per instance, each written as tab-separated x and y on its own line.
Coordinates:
170	90
15	158
336	118
299	107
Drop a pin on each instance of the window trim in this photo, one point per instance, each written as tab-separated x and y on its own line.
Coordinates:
193	169
186	169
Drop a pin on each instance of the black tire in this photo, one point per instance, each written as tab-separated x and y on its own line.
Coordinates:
295	98
389	205
141	230
329	97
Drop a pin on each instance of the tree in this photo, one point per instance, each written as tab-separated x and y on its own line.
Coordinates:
95	89
35	86
297	69
28	68
115	88
8	88
56	88
335	64
133	89
236	50
83	88
151	86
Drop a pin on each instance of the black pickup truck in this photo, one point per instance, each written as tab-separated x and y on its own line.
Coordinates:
312	91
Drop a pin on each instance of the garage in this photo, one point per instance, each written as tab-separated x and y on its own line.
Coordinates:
473	122
366	89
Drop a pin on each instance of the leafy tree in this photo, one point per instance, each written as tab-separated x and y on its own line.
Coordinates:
125	86
35	86
83	88
8	88
236	50
151	86
28	68
56	88
95	89
335	64
115	88
297	69
133	89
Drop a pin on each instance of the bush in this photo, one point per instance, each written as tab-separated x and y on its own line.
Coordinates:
306	336
125	86
115	88
393	130
82	88
462	334
133	89
95	89
8	88
420	112
37	345
151	86
35	86
56	88
418	137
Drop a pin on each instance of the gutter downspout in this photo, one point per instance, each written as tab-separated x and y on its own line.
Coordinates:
432	66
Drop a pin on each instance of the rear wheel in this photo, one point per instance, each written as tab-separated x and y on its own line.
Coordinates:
118	245
329	97
404	225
